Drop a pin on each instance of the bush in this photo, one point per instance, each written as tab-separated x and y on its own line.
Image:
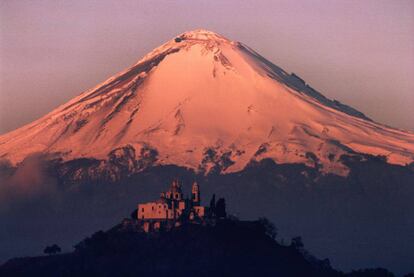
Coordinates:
52	250
269	227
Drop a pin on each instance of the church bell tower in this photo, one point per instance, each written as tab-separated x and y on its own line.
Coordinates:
195	194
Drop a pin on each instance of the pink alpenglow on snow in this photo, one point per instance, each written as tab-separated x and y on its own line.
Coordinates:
203	92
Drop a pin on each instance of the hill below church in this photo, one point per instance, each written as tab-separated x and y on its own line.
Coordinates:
228	248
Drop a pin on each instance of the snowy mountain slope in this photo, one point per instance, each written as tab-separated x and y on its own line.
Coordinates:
201	100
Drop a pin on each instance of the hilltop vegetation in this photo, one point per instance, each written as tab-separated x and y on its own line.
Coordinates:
229	248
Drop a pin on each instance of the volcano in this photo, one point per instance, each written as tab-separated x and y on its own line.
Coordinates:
204	102
207	109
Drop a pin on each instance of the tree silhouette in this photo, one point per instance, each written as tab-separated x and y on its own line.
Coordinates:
51	250
269	227
213	204
221	208
297	242
134	214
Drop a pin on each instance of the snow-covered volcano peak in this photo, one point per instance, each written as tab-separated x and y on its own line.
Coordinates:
201	34
208	40
205	102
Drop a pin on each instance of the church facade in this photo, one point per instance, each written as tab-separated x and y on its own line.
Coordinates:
171	209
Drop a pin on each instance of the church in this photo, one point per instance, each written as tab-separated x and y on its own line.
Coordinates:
171	209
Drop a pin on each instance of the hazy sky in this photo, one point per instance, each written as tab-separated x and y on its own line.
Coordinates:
359	52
